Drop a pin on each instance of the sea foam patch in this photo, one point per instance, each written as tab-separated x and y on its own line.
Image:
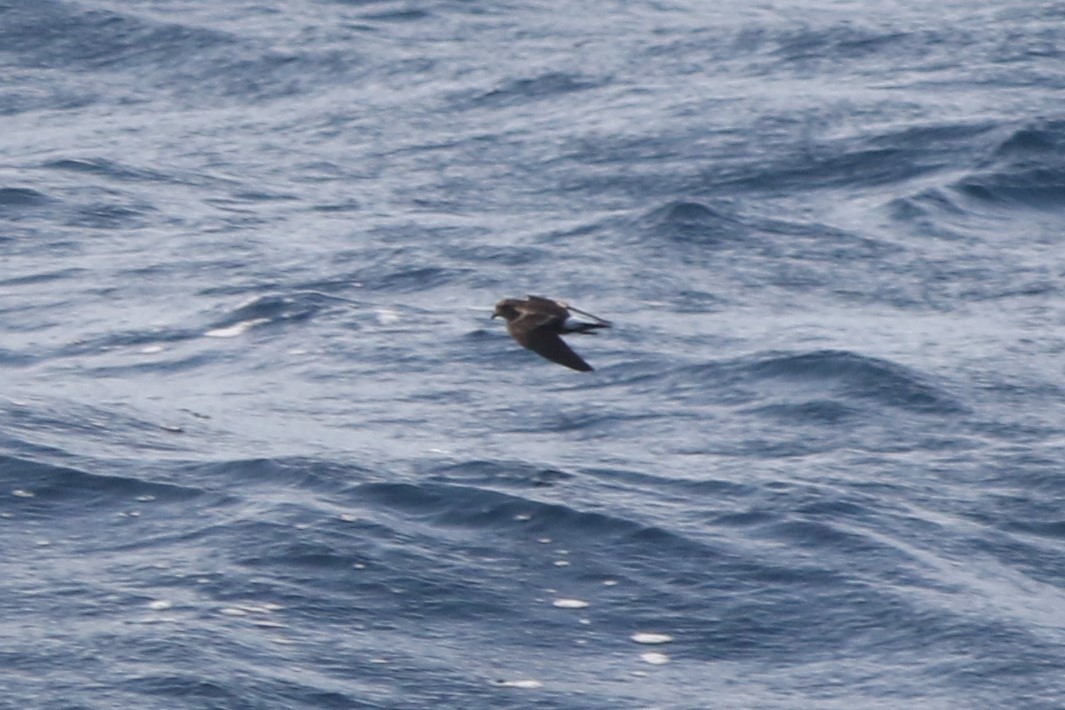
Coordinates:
236	329
526	683
570	603
655	659
649	638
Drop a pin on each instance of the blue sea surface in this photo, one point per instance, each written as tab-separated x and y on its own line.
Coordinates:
261	445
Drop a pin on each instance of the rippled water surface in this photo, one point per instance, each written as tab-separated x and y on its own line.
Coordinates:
262	447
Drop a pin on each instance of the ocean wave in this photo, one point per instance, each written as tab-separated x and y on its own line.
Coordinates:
1022	169
48	490
1026	169
505	473
858	377
16	198
109	169
466	506
839	383
539	88
691	222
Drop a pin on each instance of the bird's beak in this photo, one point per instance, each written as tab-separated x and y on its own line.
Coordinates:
494	315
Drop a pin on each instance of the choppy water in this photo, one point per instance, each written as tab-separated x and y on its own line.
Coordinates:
262	447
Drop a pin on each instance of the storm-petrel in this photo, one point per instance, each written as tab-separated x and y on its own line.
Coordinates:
536	323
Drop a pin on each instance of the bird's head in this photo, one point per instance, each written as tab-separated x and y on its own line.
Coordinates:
506	310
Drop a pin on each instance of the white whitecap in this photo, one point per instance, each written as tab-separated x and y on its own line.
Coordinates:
570	603
527	683
151	349
159	604
655	659
386	316
649	638
236	329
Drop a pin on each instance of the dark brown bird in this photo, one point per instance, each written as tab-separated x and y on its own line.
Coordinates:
537	322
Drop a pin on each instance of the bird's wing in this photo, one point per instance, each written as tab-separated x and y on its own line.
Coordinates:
549	345
559	308
535	314
539	304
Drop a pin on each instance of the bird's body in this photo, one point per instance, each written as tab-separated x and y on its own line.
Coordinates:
537	322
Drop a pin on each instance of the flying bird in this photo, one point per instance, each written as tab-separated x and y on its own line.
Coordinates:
537	322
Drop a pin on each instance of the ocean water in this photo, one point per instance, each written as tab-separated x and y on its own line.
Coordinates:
261	445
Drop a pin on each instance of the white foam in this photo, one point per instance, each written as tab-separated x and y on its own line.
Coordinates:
526	683
386	316
570	604
236	329
648	638
655	659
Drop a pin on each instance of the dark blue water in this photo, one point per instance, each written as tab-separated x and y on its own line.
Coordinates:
262	447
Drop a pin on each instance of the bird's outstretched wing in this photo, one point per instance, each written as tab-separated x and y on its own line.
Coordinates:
543	342
561	309
535	313
546	305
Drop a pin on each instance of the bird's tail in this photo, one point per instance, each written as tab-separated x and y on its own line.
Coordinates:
587	327
599	322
